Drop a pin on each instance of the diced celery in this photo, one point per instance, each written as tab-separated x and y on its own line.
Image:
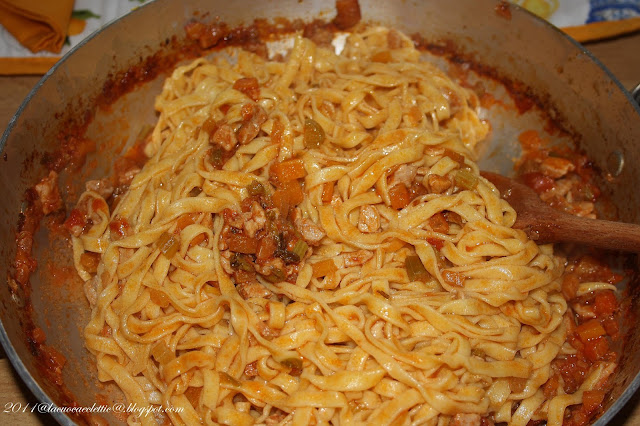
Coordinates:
255	188
168	245
300	249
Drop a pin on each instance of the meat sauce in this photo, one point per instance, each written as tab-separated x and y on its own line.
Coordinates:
564	179
266	236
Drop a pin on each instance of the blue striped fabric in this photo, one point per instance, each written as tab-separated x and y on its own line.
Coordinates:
613	10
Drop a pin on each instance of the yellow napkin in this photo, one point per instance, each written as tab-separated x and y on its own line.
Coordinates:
37	24
603	30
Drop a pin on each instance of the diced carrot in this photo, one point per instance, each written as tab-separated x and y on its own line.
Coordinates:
417	189
590	330
399	196
575	342
438	223
596	349
592	399
288	170
323	268
327	192
606	303
570	285
293	192
247	111
249	86
281	202
530	140
241	243
267	246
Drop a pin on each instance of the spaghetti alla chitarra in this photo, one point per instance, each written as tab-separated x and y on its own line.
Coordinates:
310	241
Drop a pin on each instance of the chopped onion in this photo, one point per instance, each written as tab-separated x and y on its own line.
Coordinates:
159	298
466	179
162	353
216	156
226	379
295	364
415	269
240	262
275	276
313	133
323	268
168	245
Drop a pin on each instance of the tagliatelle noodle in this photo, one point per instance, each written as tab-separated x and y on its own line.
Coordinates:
372	345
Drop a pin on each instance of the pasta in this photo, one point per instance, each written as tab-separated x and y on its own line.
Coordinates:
310	241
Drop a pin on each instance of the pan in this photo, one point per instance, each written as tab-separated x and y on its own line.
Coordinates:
104	90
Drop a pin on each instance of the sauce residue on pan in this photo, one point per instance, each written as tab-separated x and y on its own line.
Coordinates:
503	9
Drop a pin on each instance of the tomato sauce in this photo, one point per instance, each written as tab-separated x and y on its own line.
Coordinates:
565	180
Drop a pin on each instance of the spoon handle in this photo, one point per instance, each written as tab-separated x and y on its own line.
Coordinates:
563	227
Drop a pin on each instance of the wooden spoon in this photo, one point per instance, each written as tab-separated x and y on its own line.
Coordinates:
544	224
